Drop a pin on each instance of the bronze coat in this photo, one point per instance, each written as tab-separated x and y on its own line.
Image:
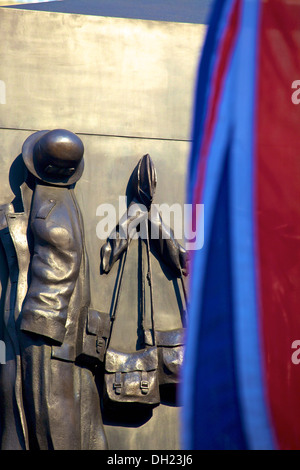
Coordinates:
47	293
13	234
58	296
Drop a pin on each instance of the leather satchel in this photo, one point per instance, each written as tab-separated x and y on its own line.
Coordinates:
95	337
170	347
131	378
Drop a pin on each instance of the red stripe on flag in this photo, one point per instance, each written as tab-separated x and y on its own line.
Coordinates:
224	54
278	212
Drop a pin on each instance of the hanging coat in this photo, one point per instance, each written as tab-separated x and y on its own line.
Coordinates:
13	235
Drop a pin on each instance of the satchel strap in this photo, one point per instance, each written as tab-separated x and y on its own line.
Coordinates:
120	282
144	383
118	291
118	383
184	313
150	283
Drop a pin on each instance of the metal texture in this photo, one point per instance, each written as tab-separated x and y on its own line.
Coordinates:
96	75
126	88
145	359
165	346
166	338
170	346
96	333
141	187
55	157
48	237
102	157
132	378
144	180
13	234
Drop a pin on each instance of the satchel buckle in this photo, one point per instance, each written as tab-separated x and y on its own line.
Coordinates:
117	384
145	386
99	344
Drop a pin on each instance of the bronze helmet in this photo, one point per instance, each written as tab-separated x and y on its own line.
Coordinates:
55	157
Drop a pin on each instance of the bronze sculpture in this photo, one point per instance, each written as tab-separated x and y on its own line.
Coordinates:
59	406
49	398
143	185
133	378
13	234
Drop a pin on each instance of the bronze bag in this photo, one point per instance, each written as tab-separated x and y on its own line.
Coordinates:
130	379
170	347
95	337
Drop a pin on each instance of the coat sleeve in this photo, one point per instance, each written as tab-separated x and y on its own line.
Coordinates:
166	246
54	272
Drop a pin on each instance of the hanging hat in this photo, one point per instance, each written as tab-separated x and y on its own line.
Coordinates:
55	157
144	180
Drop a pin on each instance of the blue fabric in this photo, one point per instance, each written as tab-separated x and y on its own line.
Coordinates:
242	189
214	171
224	406
217	416
217	24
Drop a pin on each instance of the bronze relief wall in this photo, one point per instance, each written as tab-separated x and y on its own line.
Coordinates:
125	87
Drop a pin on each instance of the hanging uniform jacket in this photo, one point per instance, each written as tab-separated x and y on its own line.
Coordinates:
13	235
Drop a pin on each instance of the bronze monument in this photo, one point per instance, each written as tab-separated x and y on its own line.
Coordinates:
66	373
58	402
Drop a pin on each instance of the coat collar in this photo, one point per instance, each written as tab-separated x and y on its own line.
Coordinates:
26	198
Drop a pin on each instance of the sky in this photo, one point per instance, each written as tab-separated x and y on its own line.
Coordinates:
187	11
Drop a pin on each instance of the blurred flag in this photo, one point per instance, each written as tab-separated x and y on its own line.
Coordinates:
241	377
